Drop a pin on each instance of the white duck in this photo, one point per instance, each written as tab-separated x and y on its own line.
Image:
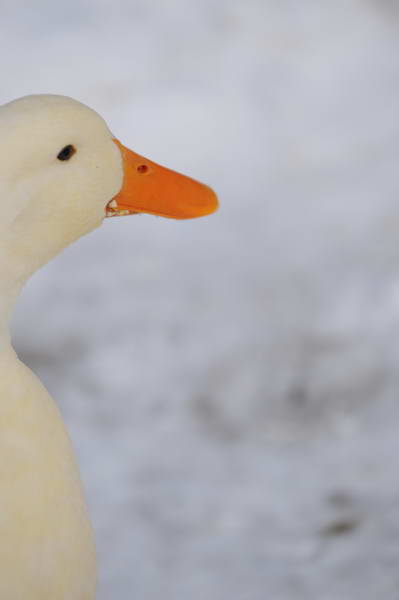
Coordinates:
61	173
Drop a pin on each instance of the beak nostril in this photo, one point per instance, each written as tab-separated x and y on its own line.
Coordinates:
142	169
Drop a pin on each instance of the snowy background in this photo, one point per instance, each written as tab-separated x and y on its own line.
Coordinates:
231	384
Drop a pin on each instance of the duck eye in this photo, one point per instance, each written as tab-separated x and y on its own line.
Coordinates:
66	153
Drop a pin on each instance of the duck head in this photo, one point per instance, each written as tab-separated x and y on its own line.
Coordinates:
62	172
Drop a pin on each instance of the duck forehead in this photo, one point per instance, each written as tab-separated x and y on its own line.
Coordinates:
46	110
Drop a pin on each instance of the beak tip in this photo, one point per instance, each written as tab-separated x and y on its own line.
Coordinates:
212	203
207	203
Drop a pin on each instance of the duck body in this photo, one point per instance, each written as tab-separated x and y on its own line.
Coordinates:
61	173
46	542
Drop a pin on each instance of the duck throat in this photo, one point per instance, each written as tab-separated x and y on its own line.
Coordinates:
16	265
9	291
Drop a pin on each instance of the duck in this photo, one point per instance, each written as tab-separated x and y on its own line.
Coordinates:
62	173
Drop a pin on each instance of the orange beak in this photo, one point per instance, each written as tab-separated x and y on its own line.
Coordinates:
150	188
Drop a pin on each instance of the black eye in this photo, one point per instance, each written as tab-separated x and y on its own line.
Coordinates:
66	153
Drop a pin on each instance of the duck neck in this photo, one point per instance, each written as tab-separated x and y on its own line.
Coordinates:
7	301
10	287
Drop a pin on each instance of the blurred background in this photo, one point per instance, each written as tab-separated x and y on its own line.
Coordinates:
231	384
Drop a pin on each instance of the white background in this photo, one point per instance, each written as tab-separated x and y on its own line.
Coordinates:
231	383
